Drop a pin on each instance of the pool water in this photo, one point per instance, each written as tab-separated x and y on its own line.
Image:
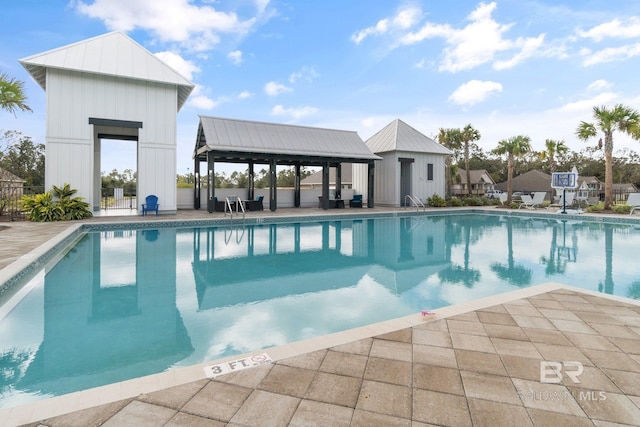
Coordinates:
124	304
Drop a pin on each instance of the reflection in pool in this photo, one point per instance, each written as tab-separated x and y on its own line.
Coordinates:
123	304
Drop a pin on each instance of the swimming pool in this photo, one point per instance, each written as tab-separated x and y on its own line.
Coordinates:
121	304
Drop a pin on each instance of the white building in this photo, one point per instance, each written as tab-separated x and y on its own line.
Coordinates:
413	164
109	87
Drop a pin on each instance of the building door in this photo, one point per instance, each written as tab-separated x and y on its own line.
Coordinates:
405	181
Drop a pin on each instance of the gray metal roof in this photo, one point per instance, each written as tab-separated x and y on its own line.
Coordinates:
399	136
112	54
239	140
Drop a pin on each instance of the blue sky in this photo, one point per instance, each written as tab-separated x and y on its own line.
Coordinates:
507	67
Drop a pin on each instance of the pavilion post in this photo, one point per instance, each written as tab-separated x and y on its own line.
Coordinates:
296	187
211	182
196	184
251	182
325	185
339	181
370	184
273	191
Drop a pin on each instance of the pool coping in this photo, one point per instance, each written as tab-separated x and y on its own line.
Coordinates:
59	405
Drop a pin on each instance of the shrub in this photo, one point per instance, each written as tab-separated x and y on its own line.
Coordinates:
621	209
472	201
44	208
514	205
437	201
596	208
454	201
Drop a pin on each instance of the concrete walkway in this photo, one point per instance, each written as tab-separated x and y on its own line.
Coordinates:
477	363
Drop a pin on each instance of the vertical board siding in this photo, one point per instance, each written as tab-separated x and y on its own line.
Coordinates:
73	97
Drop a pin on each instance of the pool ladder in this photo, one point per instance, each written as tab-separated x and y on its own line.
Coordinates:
416	202
232	201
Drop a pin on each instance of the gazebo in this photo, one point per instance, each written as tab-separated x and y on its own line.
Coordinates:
250	142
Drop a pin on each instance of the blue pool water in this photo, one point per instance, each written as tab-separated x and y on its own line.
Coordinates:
123	304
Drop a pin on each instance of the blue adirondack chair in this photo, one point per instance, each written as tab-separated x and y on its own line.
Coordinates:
150	205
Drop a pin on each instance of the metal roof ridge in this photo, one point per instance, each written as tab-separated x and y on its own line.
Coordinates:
275	124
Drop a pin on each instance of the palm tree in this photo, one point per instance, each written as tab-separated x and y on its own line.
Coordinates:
467	135
552	150
456	139
514	147
516	274
12	97
450	139
620	118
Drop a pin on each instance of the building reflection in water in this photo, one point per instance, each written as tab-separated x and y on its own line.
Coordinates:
103	303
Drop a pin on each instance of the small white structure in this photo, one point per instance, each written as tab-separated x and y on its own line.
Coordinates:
109	87
413	165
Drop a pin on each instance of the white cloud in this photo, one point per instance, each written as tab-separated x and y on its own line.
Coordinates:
610	54
599	85
275	88
477	43
404	19
186	68
528	47
195	26
307	74
587	104
245	95
235	57
200	100
615	28
295	113
474	91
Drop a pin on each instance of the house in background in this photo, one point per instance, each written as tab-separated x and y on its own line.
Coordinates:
529	182
9	180
11	190
592	185
412	165
314	180
481	181
109	87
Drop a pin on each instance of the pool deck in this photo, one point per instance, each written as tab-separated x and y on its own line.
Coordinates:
476	363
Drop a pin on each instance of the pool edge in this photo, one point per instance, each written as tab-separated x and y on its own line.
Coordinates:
59	405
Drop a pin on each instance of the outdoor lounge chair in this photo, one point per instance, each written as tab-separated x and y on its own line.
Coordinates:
503	198
526	201
150	205
532	202
570	196
356	202
634	201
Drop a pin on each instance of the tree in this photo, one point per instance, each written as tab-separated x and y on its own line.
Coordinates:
460	139
621	118
553	150
467	135
12	97
22	157
450	139
513	147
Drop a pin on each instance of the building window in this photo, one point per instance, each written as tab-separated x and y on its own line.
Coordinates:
429	171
